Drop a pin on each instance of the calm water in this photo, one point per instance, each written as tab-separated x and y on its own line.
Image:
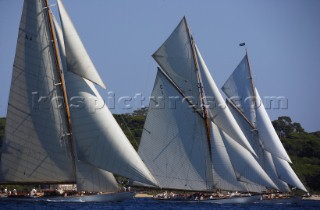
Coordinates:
145	203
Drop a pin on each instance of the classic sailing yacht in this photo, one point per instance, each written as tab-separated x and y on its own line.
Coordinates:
191	140
54	134
247	108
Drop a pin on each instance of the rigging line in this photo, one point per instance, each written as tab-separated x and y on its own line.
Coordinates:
63	87
207	121
127	127
193	106
228	101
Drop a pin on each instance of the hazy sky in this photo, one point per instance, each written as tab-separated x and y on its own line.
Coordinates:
282	36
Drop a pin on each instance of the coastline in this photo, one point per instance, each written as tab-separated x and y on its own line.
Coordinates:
146	195
312	197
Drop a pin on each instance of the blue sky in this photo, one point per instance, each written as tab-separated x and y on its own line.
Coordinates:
283	40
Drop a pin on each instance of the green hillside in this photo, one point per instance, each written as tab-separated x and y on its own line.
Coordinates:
302	147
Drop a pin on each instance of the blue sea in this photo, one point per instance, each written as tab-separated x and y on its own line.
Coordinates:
147	203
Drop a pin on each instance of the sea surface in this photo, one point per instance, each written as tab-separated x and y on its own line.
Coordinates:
147	203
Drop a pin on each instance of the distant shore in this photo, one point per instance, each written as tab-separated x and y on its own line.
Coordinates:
312	197
145	195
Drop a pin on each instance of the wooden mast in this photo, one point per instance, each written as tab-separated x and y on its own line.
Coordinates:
200	86
251	81
63	87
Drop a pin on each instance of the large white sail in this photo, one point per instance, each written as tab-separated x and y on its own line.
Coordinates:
267	134
88	177
219	112
75	50
35	148
264	158
286	173
239	89
174	141
176	58
99	139
245	165
256	124
93	179
241	95
224	176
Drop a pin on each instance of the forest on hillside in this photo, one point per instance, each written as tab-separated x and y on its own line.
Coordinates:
302	147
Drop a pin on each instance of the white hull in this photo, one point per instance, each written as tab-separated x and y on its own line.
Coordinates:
232	200
111	197
290	200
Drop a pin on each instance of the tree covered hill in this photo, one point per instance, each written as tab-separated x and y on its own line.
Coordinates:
302	147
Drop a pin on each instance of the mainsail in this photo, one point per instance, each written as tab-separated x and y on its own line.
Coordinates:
174	142
246	106
40	144
35	147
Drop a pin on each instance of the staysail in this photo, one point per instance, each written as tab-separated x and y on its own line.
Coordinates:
35	148
224	175
264	158
267	133
286	173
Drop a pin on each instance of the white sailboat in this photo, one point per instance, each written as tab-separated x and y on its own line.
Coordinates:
53	135
247	108
191	139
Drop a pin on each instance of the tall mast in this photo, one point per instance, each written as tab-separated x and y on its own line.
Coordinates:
200	86
251	81
63	88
